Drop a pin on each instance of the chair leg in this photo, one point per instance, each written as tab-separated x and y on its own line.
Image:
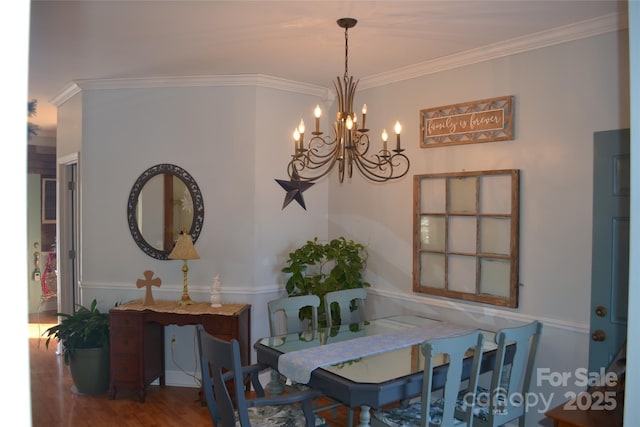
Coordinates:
274	387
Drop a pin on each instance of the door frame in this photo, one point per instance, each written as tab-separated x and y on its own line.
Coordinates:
69	229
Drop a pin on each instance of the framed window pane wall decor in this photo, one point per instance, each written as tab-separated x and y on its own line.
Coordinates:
466	235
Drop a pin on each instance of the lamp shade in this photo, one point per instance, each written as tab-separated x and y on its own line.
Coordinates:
184	248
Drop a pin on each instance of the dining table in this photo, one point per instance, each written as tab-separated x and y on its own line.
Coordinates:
369	364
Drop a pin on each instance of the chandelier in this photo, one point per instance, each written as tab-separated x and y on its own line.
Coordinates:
349	146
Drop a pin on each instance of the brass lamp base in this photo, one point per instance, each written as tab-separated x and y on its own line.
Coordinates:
186	299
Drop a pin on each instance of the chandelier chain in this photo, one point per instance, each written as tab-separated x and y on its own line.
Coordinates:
346	54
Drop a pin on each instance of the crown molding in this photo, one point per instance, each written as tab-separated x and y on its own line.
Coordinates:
189	81
589	28
65	94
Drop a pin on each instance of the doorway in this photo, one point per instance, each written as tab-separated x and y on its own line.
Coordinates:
41	225
69	234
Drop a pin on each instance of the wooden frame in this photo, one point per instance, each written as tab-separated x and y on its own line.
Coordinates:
48	206
485	120
466	236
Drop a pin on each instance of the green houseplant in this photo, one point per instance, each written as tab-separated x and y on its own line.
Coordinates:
84	336
317	268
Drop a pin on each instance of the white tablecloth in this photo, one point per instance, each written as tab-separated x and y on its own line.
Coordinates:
298	365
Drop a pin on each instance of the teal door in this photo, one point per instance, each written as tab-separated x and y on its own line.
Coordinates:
610	250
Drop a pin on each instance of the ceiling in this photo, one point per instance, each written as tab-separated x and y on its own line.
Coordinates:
294	40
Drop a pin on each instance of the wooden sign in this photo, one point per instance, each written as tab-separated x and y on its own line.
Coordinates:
485	120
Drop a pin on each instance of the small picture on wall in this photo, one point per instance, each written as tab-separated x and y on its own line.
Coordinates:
48	200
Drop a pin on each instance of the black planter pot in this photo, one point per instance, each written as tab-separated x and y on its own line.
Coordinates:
90	370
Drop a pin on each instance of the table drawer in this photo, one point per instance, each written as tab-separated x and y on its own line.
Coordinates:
125	369
219	325
127	341
124	320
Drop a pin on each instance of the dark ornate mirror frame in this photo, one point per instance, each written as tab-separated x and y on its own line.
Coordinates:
132	204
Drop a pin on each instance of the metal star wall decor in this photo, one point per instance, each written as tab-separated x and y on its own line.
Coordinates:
294	189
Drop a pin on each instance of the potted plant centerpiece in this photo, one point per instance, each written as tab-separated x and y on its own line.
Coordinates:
84	336
317	268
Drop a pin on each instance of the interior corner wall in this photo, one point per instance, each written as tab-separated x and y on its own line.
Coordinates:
280	230
563	94
234	141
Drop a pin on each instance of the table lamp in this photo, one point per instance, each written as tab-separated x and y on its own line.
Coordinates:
184	250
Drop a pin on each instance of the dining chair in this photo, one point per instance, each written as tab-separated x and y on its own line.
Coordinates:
350	306
223	377
441	410
510	382
290	307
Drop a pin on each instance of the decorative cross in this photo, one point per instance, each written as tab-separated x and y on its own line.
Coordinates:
148	282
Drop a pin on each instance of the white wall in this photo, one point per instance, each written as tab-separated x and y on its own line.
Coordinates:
563	94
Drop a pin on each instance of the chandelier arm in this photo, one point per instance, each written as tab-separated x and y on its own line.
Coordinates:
353	84
300	171
361	144
395	163
339	93
315	158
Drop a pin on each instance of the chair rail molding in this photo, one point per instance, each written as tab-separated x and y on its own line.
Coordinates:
480	311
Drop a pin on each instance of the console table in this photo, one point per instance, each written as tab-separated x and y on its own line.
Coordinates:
137	337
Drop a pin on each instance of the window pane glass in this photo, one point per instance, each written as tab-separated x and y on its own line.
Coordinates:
494	277
433	196
432	232
462	273
462	234
495	194
462	194
495	235
432	270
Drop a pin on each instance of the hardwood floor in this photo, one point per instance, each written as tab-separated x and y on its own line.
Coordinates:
54	404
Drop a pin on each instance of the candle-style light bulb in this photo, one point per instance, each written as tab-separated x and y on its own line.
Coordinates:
349	124
296	139
385	137
317	113
301	130
364	115
398	128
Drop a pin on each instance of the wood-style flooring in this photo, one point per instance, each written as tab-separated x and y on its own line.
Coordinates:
54	404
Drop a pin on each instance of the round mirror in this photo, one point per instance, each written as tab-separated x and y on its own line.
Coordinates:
164	201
